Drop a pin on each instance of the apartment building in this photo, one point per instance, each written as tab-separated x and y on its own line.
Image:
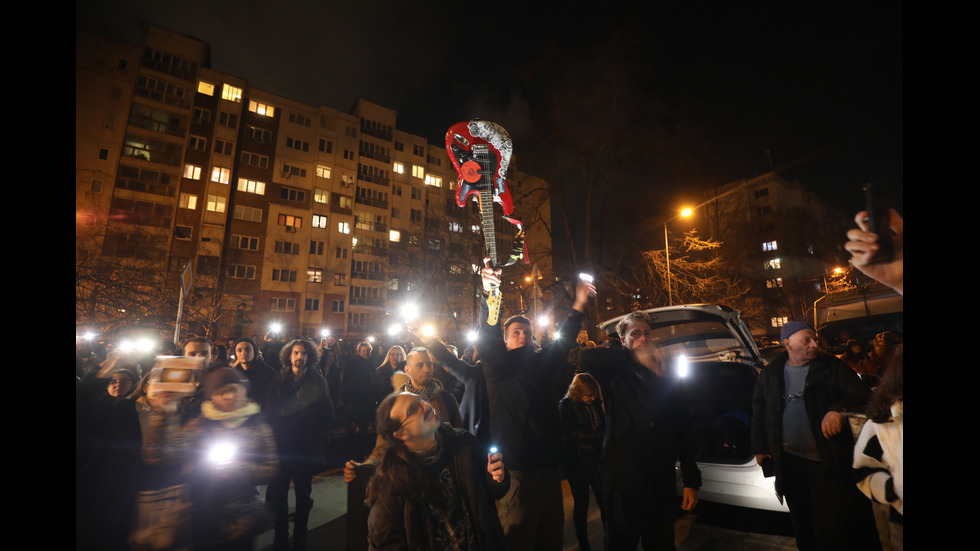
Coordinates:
283	213
785	238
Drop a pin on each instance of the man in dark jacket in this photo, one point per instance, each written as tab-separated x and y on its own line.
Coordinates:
647	433
523	387
797	424
260	375
301	414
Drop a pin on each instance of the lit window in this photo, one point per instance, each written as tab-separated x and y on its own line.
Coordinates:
205	88
261	108
290	221
314	275
771	264
251	186
346	202
216	203
418	171
192	172
769	246
399	168
774	283
780	321
343	227
188	201
394	236
220	175
323	171
431	180
231	93
319	221
321	195
455	227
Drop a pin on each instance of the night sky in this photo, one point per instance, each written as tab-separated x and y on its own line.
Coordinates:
813	90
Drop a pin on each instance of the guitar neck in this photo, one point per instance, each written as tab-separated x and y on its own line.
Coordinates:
482	156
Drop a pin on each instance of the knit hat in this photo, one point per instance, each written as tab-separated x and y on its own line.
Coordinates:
217	378
255	347
793	327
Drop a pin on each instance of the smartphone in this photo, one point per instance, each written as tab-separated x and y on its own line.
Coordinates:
493	450
586	277
879	222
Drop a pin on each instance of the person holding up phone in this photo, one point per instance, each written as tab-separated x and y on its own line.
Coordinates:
864	245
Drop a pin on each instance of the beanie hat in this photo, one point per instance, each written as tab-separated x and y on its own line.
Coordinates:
255	347
793	327
220	377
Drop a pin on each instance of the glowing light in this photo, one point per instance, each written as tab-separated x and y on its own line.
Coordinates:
275	327
471	336
683	366
394	329
324	332
428	330
410	311
222	453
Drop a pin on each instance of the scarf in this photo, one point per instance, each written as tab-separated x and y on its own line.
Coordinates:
230	419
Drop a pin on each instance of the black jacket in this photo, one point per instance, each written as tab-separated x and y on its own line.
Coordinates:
301	414
647	427
831	385
474	407
524	387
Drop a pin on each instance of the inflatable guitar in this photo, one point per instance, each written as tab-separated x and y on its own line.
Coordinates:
481	151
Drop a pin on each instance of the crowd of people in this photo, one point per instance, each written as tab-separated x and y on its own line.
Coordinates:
470	450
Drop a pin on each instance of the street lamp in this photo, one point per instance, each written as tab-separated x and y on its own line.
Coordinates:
684	214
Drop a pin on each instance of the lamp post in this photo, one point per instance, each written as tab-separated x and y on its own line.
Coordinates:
684	214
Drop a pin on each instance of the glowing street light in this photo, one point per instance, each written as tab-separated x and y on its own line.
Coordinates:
684	214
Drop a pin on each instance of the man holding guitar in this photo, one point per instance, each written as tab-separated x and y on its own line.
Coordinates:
523	387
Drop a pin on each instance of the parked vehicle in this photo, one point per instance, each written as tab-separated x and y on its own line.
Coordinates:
859	314
712	349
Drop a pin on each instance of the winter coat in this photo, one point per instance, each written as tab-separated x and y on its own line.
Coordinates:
647	429
301	414
404	523
523	386
831	385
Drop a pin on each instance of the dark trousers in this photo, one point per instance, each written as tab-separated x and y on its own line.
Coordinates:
580	480
827	510
532	513
277	496
636	518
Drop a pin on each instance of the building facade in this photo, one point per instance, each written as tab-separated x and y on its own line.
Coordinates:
284	213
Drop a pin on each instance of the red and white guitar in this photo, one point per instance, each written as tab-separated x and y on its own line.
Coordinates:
481	151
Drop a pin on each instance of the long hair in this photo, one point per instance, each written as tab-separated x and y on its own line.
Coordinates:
286	352
581	383
890	389
388	355
398	473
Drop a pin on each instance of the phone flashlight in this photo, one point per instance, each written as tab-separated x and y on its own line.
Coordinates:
493	449
585	277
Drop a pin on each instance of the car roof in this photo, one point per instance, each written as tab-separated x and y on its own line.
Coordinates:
702	332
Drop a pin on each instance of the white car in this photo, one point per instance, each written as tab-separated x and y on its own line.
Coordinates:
713	350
